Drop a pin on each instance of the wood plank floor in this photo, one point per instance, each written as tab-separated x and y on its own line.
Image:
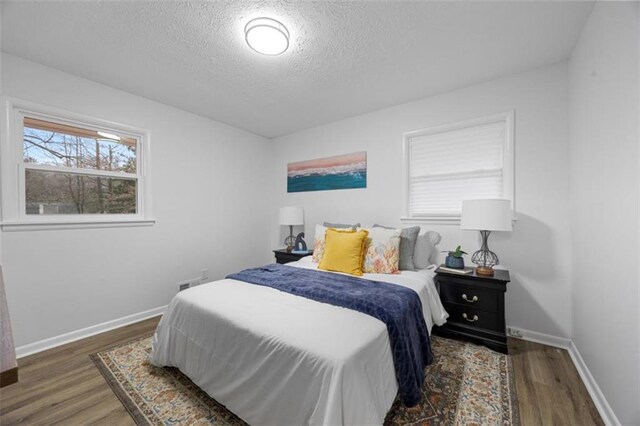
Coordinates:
62	386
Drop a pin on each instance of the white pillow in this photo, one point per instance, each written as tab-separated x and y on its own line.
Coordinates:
306	259
425	249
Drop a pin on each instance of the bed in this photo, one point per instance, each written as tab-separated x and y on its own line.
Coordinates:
279	359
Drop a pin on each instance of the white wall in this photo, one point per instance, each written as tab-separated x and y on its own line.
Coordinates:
208	179
604	178
536	252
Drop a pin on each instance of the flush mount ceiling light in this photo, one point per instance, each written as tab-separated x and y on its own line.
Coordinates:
267	36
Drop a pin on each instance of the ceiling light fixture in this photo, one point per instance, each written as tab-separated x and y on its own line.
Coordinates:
267	36
109	136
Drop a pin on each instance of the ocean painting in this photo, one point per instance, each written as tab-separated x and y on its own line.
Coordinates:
322	174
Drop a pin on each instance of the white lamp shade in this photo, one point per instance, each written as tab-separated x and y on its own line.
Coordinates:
291	216
486	215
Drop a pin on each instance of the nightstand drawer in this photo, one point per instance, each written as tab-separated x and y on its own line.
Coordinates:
469	295
473	317
283	256
286	258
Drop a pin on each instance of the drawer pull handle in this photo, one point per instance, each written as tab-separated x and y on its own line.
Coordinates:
472	300
474	319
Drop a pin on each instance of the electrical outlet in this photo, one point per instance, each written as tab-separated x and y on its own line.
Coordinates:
514	332
204	275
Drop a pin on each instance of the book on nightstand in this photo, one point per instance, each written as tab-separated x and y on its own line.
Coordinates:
464	271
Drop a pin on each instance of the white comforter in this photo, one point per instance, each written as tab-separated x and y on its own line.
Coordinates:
274	358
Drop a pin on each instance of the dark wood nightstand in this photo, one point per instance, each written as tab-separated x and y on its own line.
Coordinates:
283	256
476	307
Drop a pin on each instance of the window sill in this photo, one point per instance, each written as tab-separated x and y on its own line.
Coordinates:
439	220
55	225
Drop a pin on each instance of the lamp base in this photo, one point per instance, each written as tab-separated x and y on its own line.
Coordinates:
290	241
484	271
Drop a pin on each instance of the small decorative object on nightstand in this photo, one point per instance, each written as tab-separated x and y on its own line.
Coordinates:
476	307
454	258
301	245
284	256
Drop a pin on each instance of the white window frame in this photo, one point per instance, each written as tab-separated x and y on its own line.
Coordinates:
14	217
508	167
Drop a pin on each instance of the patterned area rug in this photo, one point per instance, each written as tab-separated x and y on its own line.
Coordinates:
466	385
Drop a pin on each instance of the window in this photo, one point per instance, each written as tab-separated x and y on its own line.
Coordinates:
448	164
72	170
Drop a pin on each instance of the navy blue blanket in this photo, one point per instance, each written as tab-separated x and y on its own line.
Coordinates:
398	307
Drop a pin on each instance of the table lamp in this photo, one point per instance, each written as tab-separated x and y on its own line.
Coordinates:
291	216
486	216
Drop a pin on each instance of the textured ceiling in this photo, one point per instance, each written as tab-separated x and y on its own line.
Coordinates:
345	59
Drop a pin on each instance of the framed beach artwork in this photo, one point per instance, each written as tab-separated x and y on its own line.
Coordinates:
322	174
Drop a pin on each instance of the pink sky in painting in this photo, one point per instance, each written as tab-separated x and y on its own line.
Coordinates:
328	162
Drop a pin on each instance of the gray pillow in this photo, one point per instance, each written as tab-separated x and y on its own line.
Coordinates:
408	238
341	225
425	249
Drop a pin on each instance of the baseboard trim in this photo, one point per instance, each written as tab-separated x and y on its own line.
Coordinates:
602	405
546	339
52	342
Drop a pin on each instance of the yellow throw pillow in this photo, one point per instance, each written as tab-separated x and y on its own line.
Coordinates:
343	251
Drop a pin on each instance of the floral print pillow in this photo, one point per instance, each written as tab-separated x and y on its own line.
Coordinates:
382	253
318	243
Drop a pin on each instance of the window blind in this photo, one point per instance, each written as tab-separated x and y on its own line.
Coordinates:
449	166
